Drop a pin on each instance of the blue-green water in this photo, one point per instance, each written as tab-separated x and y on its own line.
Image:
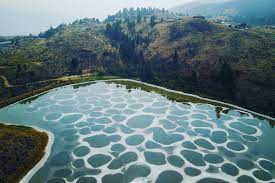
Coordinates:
107	133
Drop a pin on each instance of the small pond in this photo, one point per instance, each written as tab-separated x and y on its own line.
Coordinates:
106	132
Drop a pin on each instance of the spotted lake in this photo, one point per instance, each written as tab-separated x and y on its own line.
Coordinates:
106	132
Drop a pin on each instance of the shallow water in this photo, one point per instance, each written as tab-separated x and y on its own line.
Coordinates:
107	133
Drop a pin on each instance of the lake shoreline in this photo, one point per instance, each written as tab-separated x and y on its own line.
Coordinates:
45	157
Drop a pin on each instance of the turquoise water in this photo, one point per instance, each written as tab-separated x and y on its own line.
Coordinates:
107	133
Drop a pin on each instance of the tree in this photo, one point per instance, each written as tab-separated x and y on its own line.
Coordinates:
227	78
138	18
153	20
114	31
175	57
131	27
147	73
48	33
74	66
18	68
144	19
108	30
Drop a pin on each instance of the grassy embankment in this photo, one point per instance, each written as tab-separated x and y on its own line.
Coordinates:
20	149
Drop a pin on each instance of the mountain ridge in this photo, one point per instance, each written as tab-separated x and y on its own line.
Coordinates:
252	12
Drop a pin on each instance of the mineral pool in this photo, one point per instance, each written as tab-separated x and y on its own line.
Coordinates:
107	133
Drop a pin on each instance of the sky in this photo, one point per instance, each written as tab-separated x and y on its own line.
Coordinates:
22	17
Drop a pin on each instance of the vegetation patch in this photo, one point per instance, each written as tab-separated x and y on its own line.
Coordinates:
20	149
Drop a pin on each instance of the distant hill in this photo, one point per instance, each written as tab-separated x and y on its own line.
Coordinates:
253	12
184	53
5	38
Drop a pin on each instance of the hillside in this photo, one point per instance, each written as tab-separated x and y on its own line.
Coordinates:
252	12
183	53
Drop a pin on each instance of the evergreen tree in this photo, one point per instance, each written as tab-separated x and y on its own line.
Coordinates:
227	78
146	74
74	65
131	27
153	20
175	57
138	18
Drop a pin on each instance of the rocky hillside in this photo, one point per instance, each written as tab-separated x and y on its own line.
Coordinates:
183	53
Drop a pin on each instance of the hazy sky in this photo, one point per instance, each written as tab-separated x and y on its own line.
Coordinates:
19	17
